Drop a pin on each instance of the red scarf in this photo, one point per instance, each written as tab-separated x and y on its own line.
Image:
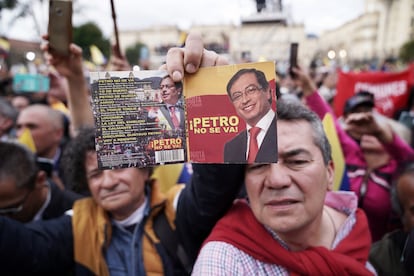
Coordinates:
240	228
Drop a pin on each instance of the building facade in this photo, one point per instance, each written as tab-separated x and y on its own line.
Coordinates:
372	37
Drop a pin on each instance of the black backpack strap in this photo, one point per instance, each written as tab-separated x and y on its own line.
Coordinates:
168	238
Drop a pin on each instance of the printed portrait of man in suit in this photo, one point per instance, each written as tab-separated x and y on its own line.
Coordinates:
251	97
171	113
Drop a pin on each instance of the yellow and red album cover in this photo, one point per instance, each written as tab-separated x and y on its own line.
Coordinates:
224	104
139	117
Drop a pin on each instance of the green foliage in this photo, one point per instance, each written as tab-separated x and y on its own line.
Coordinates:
407	52
133	53
89	34
8	4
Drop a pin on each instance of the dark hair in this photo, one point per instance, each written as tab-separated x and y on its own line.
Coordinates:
404	169
178	84
20	164
260	76
74	159
294	110
7	110
362	98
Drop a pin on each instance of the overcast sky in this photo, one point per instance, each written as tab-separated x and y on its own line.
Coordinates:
317	15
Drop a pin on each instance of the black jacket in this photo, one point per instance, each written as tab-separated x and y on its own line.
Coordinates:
60	201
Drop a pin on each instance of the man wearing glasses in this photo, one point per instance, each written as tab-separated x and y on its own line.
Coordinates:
251	96
171	113
26	193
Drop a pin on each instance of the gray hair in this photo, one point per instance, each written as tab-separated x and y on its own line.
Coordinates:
294	110
7	110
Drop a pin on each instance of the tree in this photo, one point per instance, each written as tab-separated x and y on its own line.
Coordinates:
133	53
24	9
89	34
407	52
7	4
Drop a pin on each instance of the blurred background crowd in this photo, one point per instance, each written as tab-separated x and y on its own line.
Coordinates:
362	65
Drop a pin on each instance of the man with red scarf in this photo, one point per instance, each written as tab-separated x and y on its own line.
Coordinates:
291	223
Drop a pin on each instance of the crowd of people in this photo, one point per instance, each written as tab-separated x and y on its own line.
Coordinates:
62	215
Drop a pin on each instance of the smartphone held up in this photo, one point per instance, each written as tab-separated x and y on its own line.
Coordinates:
60	26
293	59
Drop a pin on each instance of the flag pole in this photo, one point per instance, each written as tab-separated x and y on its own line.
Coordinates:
116	46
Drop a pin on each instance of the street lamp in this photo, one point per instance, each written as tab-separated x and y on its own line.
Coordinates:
342	53
31	67
30	56
331	54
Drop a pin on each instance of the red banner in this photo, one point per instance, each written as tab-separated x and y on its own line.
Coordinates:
391	90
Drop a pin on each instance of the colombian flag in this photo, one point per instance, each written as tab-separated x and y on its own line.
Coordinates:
59	106
96	55
341	181
26	139
172	174
4	46
182	38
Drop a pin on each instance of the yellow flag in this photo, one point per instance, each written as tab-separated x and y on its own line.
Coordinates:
89	65
182	38
337	154
167	175
58	105
4	44
96	55
27	140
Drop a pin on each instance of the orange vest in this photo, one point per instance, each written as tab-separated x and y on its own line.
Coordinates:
92	232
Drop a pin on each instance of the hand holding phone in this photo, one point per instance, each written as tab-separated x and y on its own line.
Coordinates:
60	26
293	60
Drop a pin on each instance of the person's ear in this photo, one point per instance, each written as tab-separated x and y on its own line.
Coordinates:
147	172
269	94
330	169
40	179
7	123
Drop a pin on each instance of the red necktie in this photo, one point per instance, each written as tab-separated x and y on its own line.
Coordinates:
174	118
253	146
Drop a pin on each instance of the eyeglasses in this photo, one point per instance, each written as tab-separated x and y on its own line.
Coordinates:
250	90
16	208
168	86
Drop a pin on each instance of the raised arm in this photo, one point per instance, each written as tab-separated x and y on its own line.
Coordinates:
38	248
317	104
356	125
213	187
71	67
205	200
